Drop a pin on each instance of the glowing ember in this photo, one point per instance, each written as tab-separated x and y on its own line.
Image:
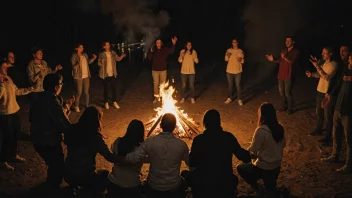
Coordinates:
185	126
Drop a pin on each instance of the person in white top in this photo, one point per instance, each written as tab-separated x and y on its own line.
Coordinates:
325	73
125	178
165	153
188	57
266	150
235	58
81	74
10	121
108	73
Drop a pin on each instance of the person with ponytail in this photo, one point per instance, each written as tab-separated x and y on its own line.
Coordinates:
266	151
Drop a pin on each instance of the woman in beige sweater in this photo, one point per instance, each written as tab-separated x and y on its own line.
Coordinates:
188	57
10	123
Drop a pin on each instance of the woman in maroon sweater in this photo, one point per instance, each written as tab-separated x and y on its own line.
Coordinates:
158	55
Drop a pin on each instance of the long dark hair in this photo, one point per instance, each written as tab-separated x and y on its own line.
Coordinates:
267	116
133	138
211	119
91	120
191	50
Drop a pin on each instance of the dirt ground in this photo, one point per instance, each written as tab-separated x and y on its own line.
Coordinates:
301	171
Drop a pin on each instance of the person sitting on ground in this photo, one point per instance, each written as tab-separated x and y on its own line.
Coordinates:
211	158
48	117
165	153
267	150
125	178
84	141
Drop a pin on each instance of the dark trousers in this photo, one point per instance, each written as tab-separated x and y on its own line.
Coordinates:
324	114
53	157
190	78
231	80
117	191
203	186
251	173
342	123
112	81
180	192
10	127
285	93
96	182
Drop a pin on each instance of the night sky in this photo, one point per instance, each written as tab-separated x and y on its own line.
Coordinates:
260	26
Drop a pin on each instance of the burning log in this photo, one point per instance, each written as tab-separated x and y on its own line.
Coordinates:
185	127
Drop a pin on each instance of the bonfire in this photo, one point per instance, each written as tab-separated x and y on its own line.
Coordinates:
185	126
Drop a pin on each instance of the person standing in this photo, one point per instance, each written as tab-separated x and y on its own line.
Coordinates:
108	73
235	58
158	54
37	69
188	57
343	121
81	74
10	121
325	73
287	63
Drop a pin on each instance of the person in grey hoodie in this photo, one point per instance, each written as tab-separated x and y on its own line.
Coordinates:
107	72
81	74
267	151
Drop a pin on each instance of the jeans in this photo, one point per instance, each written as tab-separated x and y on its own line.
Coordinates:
342	122
251	173
96	182
324	114
10	127
190	78
112	81
159	77
82	85
237	79
53	157
285	93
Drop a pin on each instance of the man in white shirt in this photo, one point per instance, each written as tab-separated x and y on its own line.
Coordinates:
235	58
165	153
325	72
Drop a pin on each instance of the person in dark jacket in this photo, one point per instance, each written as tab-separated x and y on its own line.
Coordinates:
342	121
211	158
84	141
48	119
158	55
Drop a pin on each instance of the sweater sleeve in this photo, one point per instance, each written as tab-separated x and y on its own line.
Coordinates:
103	150
329	72
257	141
180	58
195	57
22	91
139	154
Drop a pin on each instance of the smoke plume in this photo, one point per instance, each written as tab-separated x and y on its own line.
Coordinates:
133	17
267	25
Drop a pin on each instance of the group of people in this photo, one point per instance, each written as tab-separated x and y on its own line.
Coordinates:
210	167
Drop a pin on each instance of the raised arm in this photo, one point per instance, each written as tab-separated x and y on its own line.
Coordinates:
74	61
329	73
227	55
182	55
195	57
32	76
257	141
101	60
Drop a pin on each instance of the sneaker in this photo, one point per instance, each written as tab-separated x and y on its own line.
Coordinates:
345	169
76	109
106	105
17	159
330	159
228	101
115	105
193	101
240	102
182	100
6	166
